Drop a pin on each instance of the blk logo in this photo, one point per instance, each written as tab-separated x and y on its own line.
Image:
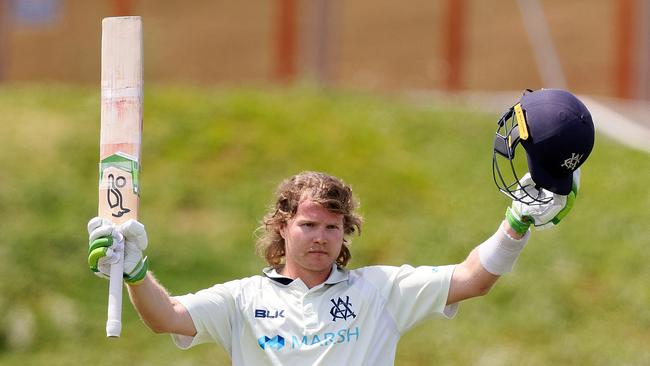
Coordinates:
267	314
342	309
276	342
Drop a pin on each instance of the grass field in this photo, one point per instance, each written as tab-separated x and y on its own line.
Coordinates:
579	294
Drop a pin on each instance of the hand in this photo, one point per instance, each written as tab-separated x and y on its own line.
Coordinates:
106	240
542	216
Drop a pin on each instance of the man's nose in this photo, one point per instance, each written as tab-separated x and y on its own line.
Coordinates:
319	236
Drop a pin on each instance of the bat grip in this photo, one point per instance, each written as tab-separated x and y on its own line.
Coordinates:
114	322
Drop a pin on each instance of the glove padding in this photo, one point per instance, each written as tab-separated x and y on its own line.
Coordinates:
106	241
542	216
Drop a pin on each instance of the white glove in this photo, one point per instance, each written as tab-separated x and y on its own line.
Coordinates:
521	215
106	241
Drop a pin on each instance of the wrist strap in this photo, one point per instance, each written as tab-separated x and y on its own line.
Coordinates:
516	224
499	253
139	272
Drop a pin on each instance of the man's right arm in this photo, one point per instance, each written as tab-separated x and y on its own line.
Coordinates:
159	311
162	313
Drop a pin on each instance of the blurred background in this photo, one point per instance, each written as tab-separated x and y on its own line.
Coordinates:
595	47
398	99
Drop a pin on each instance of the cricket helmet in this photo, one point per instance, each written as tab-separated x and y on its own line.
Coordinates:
557	133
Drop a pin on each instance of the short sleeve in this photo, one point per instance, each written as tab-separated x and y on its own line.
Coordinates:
213	312
414	293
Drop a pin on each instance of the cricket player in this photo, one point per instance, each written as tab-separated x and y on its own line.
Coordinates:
307	307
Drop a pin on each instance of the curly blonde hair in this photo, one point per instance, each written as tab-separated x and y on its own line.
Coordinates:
330	192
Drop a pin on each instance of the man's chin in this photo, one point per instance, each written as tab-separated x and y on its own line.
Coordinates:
320	263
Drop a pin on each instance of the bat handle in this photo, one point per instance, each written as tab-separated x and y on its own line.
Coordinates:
114	322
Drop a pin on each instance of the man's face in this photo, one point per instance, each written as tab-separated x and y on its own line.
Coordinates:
313	240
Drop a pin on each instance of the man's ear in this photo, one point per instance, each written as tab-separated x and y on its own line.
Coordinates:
283	227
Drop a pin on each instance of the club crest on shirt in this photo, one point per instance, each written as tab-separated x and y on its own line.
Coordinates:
341	309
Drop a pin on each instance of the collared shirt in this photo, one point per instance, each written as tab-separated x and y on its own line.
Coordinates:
355	317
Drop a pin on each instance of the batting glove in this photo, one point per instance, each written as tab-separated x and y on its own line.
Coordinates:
106	241
521	215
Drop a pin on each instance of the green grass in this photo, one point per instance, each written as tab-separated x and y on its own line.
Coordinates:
211	160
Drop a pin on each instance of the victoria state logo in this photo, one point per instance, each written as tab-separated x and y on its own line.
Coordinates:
276	342
342	309
572	162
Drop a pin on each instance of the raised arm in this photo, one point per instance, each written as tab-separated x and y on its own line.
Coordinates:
471	278
476	275
159	311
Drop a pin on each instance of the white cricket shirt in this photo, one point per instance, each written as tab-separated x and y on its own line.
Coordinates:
354	318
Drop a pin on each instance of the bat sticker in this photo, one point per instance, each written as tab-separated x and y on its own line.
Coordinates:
114	195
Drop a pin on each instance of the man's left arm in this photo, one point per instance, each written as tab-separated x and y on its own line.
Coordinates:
471	278
476	275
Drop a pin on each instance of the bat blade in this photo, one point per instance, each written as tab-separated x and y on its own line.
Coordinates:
120	139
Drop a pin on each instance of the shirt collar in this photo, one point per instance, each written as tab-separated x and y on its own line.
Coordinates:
338	274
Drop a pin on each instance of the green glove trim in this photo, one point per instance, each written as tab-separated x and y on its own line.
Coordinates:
103	242
94	256
574	189
570	199
97	249
519	225
138	274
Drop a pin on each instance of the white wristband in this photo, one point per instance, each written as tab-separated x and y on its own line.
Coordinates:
499	253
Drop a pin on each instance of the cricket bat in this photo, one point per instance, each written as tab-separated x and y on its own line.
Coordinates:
120	140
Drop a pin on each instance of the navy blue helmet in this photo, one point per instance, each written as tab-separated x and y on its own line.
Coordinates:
557	133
